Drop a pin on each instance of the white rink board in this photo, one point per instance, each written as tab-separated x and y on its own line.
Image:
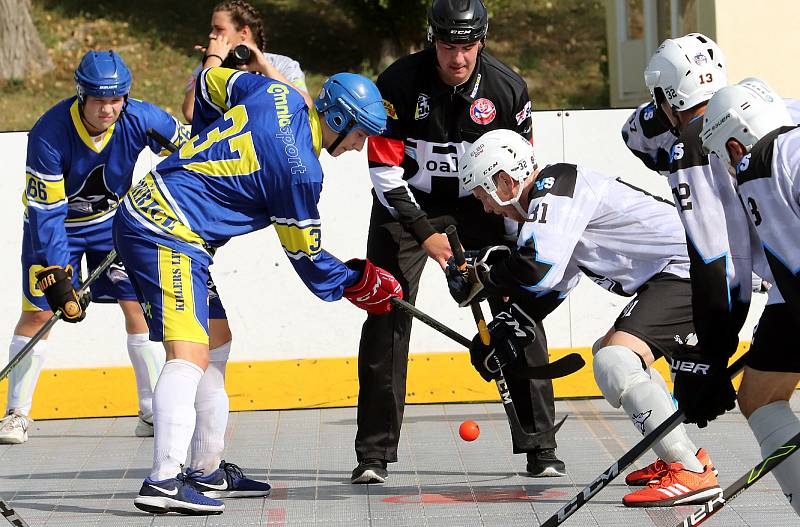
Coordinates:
272	314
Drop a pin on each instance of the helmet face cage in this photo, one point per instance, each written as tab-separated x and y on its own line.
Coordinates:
497	151
457	21
102	74
688	70
745	112
351	101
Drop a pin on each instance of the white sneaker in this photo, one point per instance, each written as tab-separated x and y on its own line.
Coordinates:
144	428
14	428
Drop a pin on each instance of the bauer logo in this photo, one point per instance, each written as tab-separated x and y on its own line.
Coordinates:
482	111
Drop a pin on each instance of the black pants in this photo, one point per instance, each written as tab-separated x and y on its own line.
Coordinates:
383	351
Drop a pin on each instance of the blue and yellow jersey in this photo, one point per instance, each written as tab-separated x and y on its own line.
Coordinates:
254	164
75	181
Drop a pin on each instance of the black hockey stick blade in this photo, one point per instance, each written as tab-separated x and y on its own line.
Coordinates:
606	477
163	141
740	485
562	367
566	365
109	259
11	515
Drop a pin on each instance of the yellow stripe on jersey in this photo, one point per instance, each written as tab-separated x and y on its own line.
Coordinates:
151	205
297	240
74	112
177	297
216	83
316	129
42	191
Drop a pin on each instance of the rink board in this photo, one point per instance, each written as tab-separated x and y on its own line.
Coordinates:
290	349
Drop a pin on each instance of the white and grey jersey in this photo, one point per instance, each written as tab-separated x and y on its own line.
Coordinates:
717	230
648	135
582	221
287	66
769	185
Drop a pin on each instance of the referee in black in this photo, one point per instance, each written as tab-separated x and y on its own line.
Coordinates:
439	101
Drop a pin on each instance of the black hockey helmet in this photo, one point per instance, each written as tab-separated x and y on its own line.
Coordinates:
457	21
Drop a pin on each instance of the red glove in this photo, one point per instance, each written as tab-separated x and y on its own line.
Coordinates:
374	290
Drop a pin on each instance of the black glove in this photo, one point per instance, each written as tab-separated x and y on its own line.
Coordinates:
509	332
467	287
703	388
56	284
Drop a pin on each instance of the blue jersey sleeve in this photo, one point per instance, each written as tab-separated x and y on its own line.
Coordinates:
163	123
45	200
292	198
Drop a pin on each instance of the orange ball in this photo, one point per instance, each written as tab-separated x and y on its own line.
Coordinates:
469	430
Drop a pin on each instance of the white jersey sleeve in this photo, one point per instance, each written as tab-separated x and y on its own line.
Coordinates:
769	184
581	221
648	135
719	238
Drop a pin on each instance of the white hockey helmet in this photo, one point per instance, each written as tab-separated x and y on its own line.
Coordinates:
495	151
746	112
686	71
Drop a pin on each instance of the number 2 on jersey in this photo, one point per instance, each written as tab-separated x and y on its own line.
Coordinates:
682	193
238	143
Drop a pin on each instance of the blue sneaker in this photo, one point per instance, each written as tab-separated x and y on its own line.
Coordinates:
228	481
175	495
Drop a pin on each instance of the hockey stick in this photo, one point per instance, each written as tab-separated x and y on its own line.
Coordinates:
740	485
525	441
601	481
163	141
11	515
566	365
109	259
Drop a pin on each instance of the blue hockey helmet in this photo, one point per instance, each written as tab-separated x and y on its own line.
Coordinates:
349	101
102	74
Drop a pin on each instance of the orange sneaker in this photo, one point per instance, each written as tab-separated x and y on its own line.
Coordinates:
676	486
652	472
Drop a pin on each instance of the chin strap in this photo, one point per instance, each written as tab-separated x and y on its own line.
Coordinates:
332	148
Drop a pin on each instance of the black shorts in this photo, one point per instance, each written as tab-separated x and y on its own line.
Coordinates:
661	315
772	348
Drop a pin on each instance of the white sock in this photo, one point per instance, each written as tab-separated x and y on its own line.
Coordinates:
173	416
773	424
649	406
147	358
23	378
211	405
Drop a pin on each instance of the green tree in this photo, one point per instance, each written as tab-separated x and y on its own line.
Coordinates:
397	26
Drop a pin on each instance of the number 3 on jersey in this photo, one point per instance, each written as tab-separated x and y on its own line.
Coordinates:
240	145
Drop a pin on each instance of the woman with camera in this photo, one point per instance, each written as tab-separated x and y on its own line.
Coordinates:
235	41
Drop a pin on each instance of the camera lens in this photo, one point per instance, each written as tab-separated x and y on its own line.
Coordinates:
241	54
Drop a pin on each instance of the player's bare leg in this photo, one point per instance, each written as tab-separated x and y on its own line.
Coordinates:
622	371
764	400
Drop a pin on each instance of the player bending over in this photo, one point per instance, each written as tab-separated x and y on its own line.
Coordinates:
80	160
682	75
747	126
577	221
255	165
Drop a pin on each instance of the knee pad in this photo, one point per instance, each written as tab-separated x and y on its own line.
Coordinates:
616	370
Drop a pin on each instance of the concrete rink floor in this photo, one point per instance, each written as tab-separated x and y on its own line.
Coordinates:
86	472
